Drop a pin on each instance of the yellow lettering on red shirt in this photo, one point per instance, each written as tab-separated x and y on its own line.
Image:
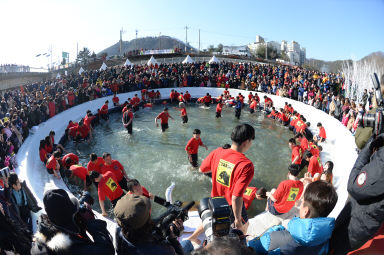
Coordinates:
111	184
224	172
293	192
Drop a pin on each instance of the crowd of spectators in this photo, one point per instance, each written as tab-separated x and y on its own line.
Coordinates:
27	106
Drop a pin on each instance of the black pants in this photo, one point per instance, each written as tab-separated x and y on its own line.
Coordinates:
25	215
238	113
129	129
244	215
207	104
218	114
124	184
164	126
193	159
114	202
185	119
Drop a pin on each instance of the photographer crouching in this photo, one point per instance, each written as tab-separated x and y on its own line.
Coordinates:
63	230
136	231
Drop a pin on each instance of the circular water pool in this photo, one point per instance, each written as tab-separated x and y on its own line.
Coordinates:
156	159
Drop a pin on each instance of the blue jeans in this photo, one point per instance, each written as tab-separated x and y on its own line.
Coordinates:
187	246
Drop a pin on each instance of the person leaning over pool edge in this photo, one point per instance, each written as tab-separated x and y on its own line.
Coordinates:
231	172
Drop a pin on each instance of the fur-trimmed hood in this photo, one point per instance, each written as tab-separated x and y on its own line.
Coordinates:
57	243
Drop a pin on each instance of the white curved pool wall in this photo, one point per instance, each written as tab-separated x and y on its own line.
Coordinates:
339	147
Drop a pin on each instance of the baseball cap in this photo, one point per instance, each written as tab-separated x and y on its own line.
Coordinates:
132	211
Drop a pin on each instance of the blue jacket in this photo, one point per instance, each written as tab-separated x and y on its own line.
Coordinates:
303	236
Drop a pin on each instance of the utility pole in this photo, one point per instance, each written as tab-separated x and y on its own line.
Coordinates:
121	41
160	41
136	40
199	40
266	50
186	38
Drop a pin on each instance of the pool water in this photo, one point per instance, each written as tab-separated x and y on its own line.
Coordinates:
157	159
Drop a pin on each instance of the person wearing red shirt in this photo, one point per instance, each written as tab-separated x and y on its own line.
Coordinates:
104	111
88	120
192	147
181	98
314	149
69	160
42	152
187	96
303	142
273	113
172	95
252	193
267	102
80	172
95	163
232	172
314	165
151	96
158	95
226	92
283	199
253	105
219	108
207	99
296	152
322	134
250	96
163	116
127	119
115	100
53	165
108	186
183	112
83	132
135	103
116	168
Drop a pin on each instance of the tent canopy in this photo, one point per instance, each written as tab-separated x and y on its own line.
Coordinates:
81	70
103	67
188	60
214	59
128	63
152	61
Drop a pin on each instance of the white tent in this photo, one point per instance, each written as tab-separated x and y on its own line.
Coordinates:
128	63
152	61
81	70
188	60
58	76
214	59
103	67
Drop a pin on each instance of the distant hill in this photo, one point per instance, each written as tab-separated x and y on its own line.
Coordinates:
150	43
335	66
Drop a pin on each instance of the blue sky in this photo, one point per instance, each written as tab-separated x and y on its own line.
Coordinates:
329	30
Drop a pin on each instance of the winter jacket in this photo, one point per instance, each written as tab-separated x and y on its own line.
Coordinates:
168	247
303	236
363	213
51	240
30	199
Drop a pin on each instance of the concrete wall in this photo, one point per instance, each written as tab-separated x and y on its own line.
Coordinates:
12	80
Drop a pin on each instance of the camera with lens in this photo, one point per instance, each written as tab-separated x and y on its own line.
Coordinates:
375	120
4	172
215	214
165	221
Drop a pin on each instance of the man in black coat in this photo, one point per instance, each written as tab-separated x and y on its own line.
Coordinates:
363	213
63	229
